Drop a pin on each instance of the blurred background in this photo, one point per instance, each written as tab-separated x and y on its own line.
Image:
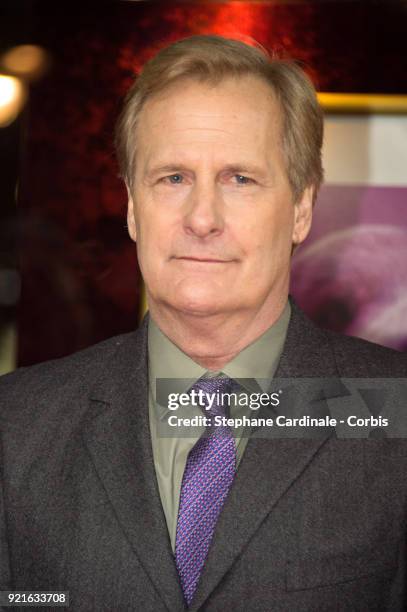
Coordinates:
68	271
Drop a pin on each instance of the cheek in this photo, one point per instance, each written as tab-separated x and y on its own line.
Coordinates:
268	235
149	225
156	237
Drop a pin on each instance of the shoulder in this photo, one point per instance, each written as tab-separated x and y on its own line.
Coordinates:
358	357
319	352
50	382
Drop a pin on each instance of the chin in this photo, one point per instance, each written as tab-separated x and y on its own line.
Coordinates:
198	303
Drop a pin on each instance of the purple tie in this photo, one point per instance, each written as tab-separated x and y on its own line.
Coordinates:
208	476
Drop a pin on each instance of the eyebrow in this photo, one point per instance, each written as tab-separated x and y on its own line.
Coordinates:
165	169
233	168
244	169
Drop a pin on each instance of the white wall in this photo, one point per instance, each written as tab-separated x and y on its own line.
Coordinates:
366	149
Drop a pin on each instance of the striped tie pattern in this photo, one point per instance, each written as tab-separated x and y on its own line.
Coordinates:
208	476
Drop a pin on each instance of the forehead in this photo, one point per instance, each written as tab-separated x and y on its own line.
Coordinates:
237	113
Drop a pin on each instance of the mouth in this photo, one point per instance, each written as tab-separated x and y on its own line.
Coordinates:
204	259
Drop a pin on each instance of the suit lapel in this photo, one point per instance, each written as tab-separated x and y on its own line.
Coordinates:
117	436
269	466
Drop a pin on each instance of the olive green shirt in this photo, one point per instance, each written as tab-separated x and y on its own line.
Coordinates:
251	368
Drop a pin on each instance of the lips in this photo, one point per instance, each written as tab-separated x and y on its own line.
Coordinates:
204	259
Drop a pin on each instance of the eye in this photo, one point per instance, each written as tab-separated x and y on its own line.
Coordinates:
174	179
243	180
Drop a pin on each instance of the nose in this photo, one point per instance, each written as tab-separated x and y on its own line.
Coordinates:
204	210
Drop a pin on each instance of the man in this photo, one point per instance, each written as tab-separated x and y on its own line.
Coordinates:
220	148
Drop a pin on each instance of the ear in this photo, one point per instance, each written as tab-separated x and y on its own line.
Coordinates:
303	216
131	220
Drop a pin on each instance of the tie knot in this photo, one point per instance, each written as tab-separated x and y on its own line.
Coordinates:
214	394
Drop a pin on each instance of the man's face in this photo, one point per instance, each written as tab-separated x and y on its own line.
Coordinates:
212	211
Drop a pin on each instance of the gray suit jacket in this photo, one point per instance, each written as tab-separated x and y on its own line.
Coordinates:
309	525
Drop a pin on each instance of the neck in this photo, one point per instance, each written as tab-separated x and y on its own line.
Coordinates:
215	339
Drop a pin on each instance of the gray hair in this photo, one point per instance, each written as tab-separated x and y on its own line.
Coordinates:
210	59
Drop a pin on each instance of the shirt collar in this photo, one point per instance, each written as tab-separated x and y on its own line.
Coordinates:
253	367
